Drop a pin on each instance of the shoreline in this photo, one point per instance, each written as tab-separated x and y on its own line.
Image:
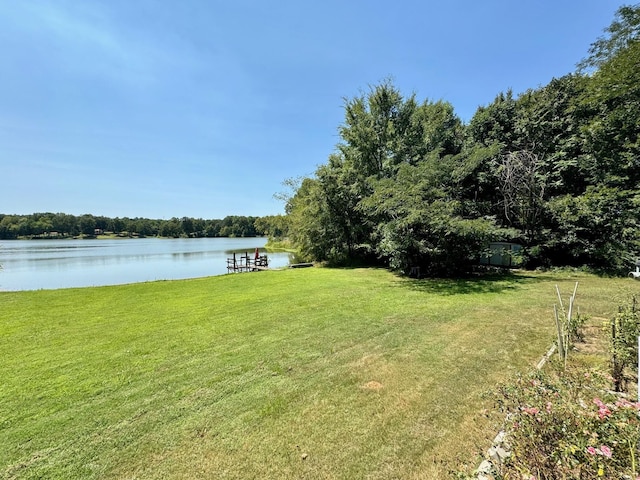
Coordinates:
114	236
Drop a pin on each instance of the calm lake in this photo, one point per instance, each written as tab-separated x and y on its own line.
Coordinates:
49	264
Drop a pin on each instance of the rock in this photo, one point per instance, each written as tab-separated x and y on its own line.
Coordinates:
485	467
486	477
504	454
498	455
499	440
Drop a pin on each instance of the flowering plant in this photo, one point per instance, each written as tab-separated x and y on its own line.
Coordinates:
560	425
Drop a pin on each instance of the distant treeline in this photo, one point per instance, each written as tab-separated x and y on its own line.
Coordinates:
56	225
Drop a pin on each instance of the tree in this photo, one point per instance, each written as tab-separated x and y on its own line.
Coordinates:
382	133
623	33
373	130
273	226
496	123
116	225
613	134
212	228
420	225
523	184
87	224
187	225
9	227
549	122
170	228
311	228
371	147
599	228
65	224
439	128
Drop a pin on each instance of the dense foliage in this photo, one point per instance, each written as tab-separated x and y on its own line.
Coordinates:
624	332
566	424
48	225
555	169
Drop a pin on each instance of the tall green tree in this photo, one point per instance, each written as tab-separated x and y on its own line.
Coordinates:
374	127
348	211
600	228
496	124
276	227
420	226
556	168
312	228
614	94
87	224
549	122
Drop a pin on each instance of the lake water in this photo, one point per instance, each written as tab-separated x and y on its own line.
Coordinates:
50	264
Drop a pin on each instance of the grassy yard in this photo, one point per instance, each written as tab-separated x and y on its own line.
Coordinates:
309	373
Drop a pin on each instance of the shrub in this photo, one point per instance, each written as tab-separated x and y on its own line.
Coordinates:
624	330
562	426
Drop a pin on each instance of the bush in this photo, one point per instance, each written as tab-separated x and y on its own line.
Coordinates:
624	330
562	426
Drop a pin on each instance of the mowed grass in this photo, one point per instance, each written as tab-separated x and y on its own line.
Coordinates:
309	373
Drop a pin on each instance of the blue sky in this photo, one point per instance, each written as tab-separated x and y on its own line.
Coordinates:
201	108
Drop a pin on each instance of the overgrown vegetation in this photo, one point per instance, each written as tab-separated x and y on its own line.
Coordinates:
564	424
555	169
624	332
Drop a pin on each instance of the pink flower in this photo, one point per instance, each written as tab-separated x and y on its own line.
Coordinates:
606	451
624	403
548	407
592	451
530	410
603	412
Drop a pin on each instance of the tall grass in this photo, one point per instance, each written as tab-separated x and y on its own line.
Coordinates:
311	373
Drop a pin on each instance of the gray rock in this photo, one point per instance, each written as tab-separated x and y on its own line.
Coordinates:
486	477
499	440
485	467
498	454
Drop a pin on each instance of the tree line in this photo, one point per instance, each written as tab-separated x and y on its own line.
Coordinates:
555	169
47	225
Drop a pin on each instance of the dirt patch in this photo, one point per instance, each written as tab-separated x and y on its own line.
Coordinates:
373	385
594	340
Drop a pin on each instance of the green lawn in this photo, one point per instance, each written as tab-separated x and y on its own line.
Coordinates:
309	373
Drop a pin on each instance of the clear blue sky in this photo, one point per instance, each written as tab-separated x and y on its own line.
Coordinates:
201	108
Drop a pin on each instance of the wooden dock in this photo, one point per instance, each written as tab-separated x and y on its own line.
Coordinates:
247	263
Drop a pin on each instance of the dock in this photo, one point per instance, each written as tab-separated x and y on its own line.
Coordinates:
247	263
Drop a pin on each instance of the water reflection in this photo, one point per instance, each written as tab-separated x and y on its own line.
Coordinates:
36	264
